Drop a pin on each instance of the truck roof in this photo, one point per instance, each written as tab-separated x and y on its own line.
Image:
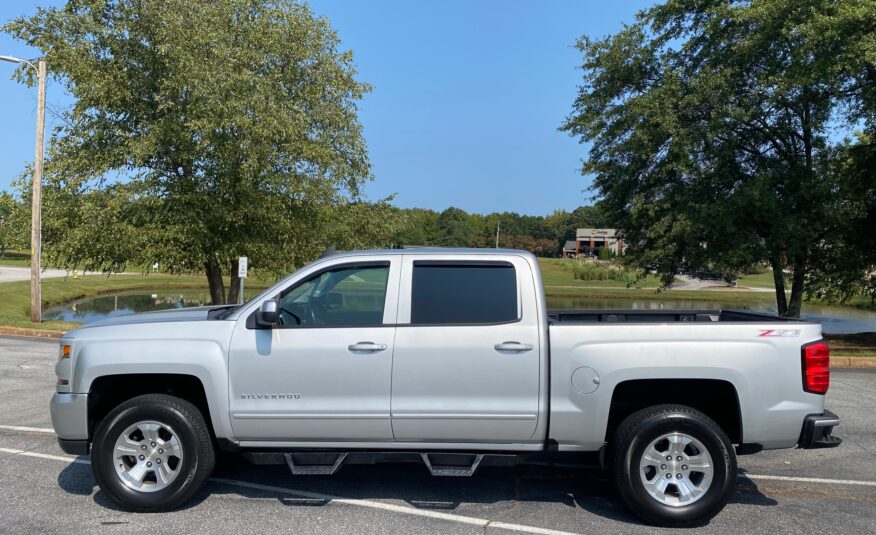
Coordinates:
429	250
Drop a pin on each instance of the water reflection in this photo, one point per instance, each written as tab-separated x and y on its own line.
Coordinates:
107	306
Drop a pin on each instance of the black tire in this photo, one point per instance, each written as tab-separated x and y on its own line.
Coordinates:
636	433
195	467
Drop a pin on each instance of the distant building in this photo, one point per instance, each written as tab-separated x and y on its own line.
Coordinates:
570	249
589	241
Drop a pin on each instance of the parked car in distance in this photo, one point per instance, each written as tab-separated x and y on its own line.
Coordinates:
448	356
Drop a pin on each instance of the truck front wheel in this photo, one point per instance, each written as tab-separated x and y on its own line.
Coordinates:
152	453
674	466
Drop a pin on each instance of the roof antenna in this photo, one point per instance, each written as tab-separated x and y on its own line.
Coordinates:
330	250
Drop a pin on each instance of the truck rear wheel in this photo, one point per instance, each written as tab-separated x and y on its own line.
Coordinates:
152	453
674	466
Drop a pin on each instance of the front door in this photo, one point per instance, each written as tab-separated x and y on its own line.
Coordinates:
324	373
467	353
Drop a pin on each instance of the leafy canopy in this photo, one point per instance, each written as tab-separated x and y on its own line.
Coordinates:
232	125
716	128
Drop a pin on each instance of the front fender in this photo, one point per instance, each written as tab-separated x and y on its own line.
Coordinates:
203	358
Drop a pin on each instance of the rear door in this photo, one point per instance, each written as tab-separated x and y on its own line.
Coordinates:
467	352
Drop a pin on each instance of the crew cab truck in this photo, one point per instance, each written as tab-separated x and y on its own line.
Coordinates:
448	356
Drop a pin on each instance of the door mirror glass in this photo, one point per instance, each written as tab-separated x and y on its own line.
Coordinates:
267	313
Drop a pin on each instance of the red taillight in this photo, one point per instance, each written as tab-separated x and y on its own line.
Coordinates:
816	368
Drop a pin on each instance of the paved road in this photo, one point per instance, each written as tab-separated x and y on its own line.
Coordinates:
42	490
13	273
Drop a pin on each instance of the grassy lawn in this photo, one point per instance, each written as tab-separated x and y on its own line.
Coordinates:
757	280
15	258
554	272
15	296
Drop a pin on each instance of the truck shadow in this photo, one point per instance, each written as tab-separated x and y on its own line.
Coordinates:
492	490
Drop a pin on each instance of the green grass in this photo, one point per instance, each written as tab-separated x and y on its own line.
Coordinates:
757	280
15	296
14	257
558	272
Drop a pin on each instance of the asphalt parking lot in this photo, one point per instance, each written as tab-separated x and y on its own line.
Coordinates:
43	490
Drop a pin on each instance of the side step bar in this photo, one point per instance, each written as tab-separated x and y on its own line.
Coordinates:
452	470
314	469
313	463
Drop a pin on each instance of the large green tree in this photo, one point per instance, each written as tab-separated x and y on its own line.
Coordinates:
231	124
718	130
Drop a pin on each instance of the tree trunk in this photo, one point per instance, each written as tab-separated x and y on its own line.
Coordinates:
779	280
796	304
234	289
214	279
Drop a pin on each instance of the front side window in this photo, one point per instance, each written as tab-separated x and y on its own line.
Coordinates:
463	293
343	296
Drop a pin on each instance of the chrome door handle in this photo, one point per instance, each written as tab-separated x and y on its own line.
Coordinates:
515	347
366	347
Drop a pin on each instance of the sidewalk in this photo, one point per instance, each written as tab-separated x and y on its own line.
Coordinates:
15	273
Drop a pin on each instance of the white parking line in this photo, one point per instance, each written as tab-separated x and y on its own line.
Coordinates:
764	477
48	430
37	455
811	480
371	504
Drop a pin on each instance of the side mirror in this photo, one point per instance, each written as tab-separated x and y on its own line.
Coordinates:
266	316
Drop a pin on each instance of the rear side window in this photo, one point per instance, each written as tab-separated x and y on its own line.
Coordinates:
463	293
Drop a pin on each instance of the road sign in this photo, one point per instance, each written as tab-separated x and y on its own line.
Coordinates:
242	267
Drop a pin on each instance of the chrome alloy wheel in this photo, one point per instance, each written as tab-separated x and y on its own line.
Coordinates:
676	469
148	456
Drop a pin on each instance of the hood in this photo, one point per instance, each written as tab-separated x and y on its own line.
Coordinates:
159	316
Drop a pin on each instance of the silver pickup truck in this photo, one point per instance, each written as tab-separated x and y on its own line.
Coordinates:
445	356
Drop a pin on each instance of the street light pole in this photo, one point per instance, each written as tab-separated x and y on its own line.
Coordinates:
36	314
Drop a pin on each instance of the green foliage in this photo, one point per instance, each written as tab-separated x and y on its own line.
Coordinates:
712	131
233	125
590	270
454	228
605	253
13	224
543	236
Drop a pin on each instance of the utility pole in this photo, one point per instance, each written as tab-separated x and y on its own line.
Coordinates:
498	222
36	235
36	313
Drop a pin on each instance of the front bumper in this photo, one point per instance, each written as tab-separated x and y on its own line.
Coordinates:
70	420
817	429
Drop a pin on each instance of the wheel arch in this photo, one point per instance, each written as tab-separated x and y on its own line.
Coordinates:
109	391
716	398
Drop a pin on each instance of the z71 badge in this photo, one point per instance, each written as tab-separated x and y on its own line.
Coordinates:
784	333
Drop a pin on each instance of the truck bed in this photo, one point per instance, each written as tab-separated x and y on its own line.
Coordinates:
661	316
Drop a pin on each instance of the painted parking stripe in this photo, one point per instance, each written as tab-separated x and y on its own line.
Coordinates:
371	504
38	455
810	480
47	430
764	477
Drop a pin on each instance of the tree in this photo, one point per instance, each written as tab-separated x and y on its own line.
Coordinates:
233	125
711	123
454	228
10	223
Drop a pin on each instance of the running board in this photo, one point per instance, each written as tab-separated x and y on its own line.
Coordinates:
452	470
314	469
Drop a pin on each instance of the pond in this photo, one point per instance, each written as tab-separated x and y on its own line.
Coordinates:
835	320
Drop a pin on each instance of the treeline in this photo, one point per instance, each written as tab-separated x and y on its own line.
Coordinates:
453	227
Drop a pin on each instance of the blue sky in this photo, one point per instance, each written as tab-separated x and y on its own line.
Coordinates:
467	98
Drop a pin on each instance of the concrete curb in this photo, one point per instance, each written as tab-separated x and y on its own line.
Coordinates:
32	333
